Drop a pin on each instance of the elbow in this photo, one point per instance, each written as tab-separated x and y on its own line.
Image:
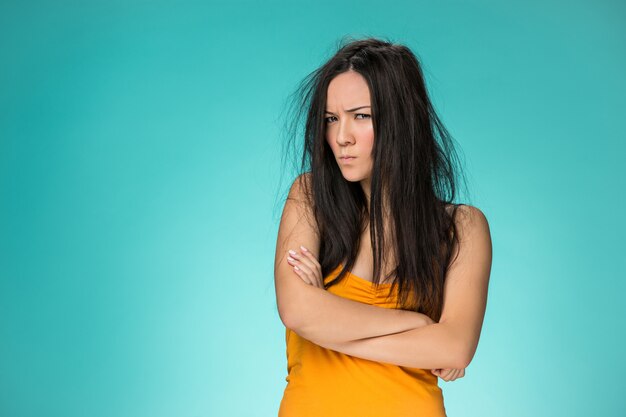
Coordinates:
289	315
464	356
456	360
463	347
458	352
294	318
462	361
287	300
285	316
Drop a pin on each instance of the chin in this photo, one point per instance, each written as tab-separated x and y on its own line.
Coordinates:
353	178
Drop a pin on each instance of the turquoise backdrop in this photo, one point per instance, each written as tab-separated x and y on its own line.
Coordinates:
141	178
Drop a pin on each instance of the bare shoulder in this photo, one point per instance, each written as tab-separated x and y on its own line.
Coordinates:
300	199
300	188
466	216
298	225
470	218
474	235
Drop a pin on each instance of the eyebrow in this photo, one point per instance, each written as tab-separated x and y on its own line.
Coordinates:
349	110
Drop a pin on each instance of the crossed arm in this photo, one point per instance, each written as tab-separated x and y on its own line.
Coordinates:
394	336
328	319
388	335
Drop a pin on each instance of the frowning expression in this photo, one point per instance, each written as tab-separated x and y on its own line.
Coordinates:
349	127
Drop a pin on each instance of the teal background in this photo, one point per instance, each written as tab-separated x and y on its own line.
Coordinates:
140	187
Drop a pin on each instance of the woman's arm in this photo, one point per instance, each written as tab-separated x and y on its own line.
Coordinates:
432	346
312	312
451	343
325	318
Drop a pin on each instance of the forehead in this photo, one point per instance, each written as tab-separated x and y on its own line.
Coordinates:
348	89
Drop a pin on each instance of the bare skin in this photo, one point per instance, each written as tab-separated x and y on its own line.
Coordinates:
393	336
350	132
307	267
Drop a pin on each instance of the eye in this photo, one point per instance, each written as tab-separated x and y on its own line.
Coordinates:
326	119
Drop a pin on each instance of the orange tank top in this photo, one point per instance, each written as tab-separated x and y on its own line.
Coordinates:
326	383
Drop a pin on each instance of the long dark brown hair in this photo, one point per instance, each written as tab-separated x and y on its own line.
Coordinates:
414	174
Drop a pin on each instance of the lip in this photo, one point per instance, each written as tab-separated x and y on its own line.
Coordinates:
347	158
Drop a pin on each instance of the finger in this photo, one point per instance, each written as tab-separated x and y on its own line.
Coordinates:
458	373
446	374
294	264
312	258
306	277
305	270
453	375
294	260
308	263
302	276
304	261
317	269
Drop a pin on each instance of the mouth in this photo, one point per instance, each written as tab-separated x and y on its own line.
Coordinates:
347	158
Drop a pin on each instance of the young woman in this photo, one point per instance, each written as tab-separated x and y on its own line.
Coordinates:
381	281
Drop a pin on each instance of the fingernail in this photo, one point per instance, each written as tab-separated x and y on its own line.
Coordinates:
304	249
293	252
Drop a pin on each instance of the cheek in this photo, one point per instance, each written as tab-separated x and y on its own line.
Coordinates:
367	137
368	144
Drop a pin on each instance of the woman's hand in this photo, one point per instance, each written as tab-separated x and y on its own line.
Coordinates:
449	374
306	266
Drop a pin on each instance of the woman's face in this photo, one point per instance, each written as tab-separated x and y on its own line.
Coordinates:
349	128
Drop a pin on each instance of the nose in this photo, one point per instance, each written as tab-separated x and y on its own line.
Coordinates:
344	134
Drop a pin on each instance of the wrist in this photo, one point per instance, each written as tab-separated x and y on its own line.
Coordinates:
416	319
425	320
